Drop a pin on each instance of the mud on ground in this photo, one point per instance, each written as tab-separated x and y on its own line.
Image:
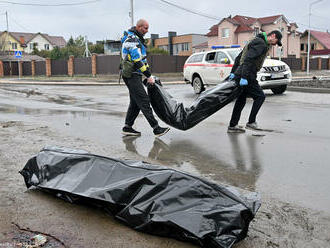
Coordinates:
23	213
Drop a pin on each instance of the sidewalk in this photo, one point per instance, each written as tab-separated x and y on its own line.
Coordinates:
315	79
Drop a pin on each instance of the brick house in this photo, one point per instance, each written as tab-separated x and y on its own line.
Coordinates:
240	29
320	44
181	45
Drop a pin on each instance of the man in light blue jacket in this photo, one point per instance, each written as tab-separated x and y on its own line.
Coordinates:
134	65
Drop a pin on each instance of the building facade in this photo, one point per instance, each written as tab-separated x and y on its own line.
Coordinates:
25	42
181	45
320	44
238	30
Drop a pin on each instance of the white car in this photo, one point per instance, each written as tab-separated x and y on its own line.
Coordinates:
212	67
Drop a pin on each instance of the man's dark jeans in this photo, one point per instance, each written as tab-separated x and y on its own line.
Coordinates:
253	90
139	100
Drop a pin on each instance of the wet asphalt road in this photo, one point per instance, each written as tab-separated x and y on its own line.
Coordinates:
290	163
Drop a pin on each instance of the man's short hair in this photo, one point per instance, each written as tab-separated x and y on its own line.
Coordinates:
278	36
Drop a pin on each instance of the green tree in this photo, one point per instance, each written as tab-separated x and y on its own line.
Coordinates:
96	48
156	50
56	53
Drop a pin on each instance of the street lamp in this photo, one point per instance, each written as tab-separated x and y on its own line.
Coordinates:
309	32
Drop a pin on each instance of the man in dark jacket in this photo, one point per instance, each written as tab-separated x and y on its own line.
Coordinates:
244	71
134	65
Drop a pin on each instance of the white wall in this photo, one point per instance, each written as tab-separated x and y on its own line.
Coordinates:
41	44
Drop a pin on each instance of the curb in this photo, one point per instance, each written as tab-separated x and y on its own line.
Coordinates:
309	89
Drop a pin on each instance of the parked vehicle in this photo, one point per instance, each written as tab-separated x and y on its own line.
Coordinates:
212	67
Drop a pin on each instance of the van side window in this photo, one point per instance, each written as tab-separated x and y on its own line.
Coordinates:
222	58
196	58
210	57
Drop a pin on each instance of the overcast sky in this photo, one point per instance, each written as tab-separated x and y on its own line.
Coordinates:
106	19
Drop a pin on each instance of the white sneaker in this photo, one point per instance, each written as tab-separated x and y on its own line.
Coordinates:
252	126
236	129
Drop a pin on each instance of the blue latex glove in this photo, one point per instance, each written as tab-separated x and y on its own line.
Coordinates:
231	76
243	82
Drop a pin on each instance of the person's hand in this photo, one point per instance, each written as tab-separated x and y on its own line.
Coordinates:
243	82
231	76
150	80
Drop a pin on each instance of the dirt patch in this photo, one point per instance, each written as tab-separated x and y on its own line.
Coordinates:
277	224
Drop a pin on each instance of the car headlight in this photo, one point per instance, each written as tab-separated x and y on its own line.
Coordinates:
263	78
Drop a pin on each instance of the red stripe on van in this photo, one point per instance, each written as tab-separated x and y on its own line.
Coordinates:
208	65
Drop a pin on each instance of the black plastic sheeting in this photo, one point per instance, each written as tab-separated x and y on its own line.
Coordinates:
149	198
176	115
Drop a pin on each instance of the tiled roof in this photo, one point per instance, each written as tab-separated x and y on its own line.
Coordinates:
244	23
243	28
26	36
244	20
268	19
54	40
213	31
322	37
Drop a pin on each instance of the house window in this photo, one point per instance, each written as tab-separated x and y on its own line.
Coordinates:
46	46
31	46
302	47
225	32
14	45
185	47
312	46
176	49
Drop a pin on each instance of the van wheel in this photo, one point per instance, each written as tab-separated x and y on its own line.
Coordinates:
198	85
279	90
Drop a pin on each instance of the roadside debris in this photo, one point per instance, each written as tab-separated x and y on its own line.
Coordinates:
36	241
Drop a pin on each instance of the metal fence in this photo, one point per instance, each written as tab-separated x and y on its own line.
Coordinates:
293	63
27	71
324	65
59	67
6	68
107	64
83	66
40	68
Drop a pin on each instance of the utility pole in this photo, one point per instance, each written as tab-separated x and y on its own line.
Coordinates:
280	48
87	53
309	33
5	42
131	14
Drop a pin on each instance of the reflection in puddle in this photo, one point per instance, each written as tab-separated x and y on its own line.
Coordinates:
189	156
10	109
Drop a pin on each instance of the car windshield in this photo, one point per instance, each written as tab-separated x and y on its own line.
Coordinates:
234	53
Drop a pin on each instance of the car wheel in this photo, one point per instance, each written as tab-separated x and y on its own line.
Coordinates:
279	90
198	85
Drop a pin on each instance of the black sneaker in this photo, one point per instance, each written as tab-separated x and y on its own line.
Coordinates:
159	131
236	129
129	131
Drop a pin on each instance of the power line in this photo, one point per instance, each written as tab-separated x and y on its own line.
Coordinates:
18	24
50	5
321	17
302	24
191	11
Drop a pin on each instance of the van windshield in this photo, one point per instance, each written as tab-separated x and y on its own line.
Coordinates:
234	53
